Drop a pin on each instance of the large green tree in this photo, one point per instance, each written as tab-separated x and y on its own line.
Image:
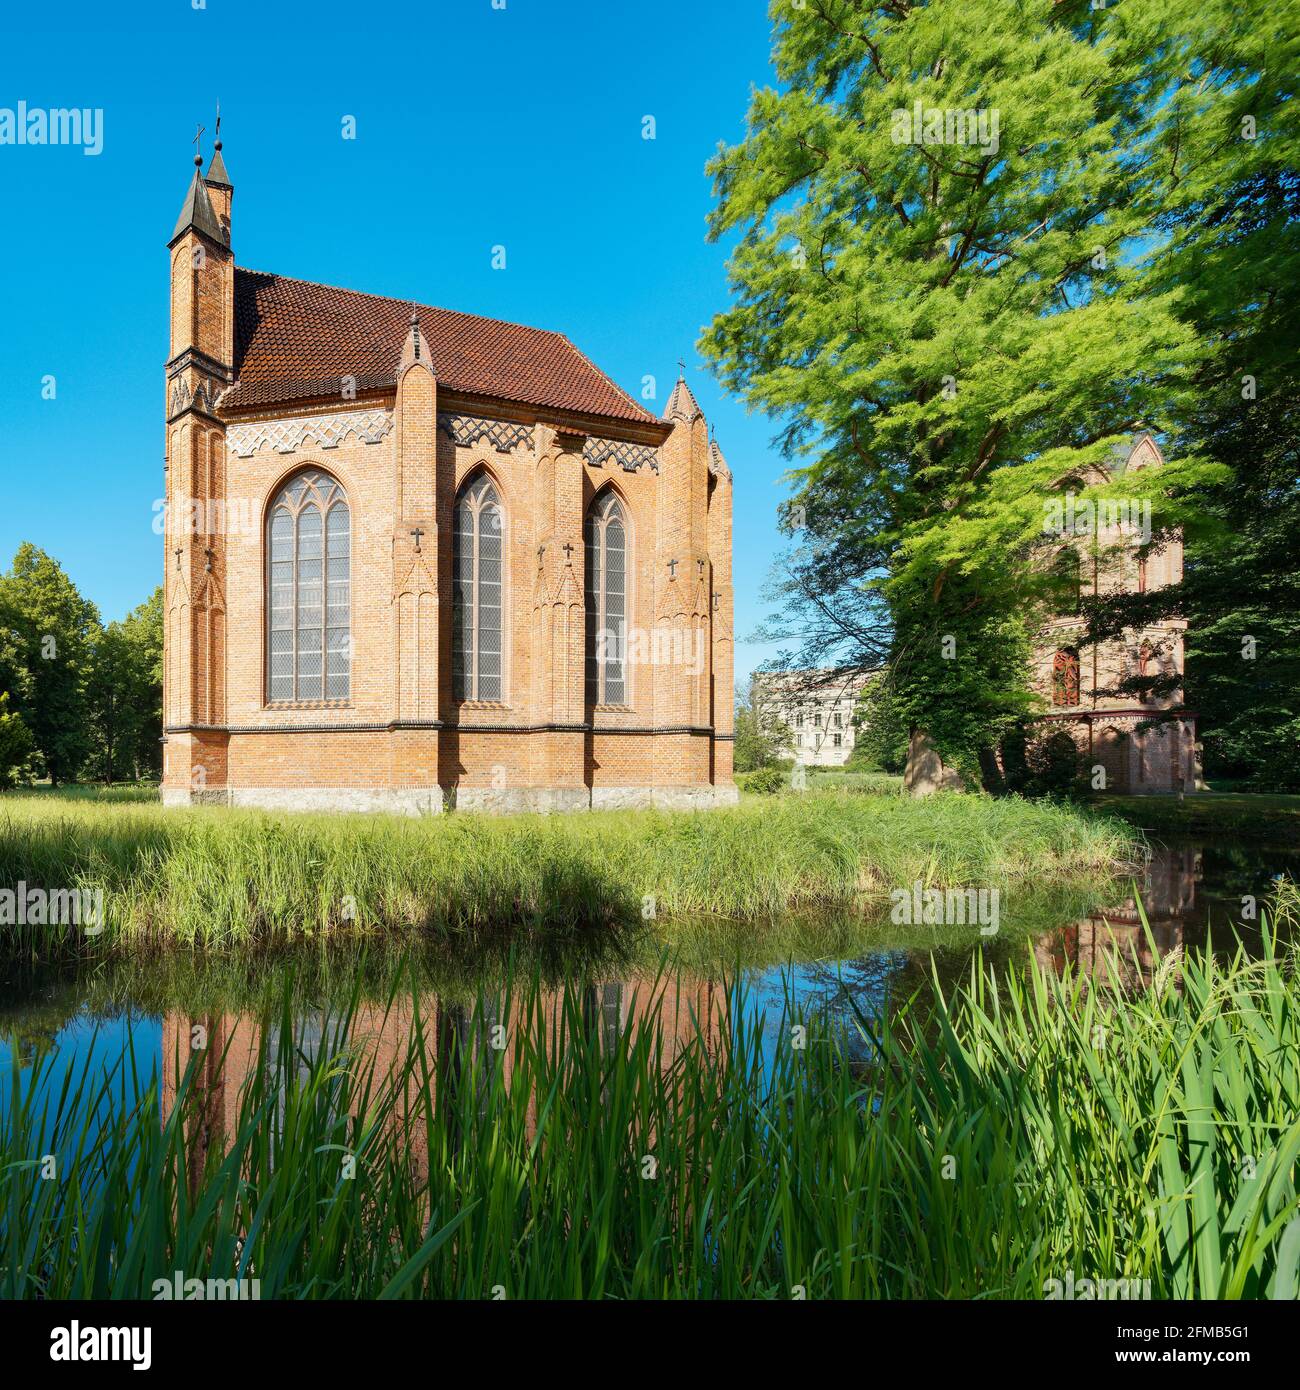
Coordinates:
16	746
947	218
1228	126
53	629
124	695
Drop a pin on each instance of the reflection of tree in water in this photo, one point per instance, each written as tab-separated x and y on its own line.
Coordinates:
832	996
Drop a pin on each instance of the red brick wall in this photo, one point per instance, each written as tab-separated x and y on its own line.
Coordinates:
223	735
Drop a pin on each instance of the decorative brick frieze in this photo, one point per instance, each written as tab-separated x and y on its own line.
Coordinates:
203	397
325	431
628	456
505	436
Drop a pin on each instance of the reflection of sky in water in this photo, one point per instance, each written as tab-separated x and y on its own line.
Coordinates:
762	1002
89	1047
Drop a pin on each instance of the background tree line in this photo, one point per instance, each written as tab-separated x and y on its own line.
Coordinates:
79	699
949	332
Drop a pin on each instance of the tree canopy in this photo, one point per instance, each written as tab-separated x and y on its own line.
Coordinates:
969	242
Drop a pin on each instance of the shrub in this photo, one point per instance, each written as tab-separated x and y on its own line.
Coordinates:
766	781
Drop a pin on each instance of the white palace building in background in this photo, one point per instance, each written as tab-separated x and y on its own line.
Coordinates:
816	707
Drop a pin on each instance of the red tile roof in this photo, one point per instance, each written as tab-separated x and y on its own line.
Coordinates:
295	340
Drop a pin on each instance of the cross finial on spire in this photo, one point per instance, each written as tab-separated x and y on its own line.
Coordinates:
681	370
198	153
217	132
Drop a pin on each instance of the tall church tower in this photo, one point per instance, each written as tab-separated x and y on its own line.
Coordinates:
200	366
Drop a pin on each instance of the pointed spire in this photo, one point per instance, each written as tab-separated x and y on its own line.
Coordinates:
217	169
197	211
717	464
682	405
415	346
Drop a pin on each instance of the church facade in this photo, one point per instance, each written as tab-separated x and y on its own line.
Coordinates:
420	560
1138	743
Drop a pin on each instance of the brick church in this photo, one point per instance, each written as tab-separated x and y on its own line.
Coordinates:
420	560
1138	743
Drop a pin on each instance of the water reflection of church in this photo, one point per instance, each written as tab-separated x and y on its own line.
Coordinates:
1111	947
227	1048
1116	940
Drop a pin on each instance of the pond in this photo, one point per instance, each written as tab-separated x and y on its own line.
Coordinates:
147	1010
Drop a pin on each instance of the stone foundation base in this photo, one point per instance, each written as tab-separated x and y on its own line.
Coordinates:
414	801
664	798
429	801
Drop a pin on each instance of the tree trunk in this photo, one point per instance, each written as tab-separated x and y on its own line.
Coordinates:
991	772
925	773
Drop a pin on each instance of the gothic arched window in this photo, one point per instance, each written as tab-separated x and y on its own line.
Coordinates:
1069	581
606	541
1065	677
308	628
477	668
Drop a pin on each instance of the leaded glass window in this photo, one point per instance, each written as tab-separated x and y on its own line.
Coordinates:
477	665
1065	677
606	602
309	539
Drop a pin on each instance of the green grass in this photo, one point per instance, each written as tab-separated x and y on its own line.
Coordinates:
835	779
872	783
220	877
97	793
1272	815
1004	1135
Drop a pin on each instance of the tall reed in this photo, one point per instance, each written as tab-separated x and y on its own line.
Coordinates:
1007	1135
219	877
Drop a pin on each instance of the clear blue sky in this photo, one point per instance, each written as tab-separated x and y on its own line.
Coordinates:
475	127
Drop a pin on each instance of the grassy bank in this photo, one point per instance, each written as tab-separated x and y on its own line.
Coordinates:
1046	1131
218	877
1239	815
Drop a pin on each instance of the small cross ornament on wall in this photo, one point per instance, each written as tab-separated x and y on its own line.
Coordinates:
417	533
568	552
672	569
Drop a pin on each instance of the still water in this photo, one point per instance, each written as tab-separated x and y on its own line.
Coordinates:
146	1010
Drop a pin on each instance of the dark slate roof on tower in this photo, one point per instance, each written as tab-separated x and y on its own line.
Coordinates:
217	169
197	212
296	340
